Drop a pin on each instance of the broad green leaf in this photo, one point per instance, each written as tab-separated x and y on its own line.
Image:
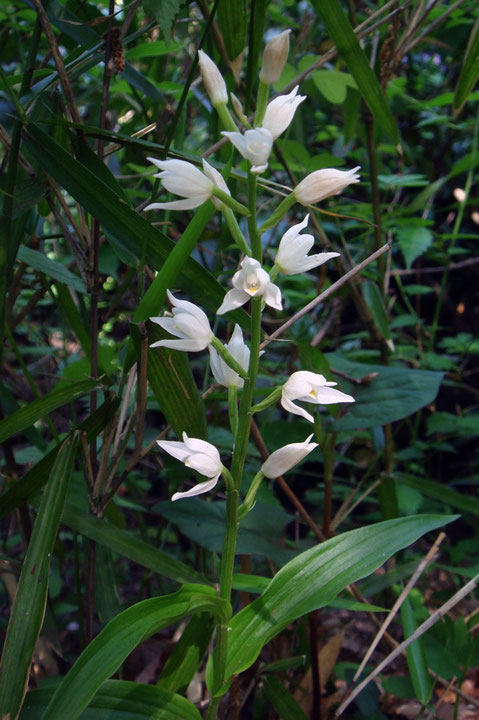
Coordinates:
438	491
375	302
37	476
171	380
259	532
416	655
466	426
413	240
313	579
153	49
391	394
122	700
342	34
30	600
108	650
187	654
26	416
469	71
257	12
233	20
282	700
128	545
52	268
107	598
333	84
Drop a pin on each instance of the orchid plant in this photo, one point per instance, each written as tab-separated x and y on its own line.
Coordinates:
235	365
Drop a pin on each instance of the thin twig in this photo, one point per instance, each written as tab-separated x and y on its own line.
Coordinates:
405	592
457	597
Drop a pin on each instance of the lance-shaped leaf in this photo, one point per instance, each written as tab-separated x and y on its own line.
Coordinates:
29	607
313	579
115	642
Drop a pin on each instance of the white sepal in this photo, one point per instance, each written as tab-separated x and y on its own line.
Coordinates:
286	458
251	281
189	323
321	184
310	387
292	257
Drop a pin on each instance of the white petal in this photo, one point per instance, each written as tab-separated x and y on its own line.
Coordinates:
187	204
233	299
216	177
287	457
330	396
174	448
203	464
202	446
237	139
197	490
295	409
272	296
183	345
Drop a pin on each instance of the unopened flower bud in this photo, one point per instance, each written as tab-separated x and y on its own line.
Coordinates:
321	184
275	55
212	80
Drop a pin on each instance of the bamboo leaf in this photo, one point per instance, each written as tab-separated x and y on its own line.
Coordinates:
416	655
122	700
26	416
342	34
115	642
233	20
52	268
313	579
469	71
29	607
282	700
187	654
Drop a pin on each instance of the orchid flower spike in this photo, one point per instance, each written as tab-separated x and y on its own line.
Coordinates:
275	55
254	145
189	323
251	281
286	458
198	455
292	257
310	387
280	112
237	348
321	184
185	179
212	80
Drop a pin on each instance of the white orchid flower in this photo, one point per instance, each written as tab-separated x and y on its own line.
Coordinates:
185	179
254	145
280	112
189	323
292	257
287	457
212	80
321	184
198	455
222	372
310	387
275	55
251	281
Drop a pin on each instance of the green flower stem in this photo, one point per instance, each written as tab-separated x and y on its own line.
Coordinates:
254	237
230	202
250	498
274	272
232	496
233	408
226	118
269	400
235	230
261	103
279	213
226	475
228	358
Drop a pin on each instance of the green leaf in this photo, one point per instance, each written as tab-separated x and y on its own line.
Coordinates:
187	654
375	302
27	614
282	700
333	84
37	476
342	34
164	12
233	20
447	496
391	394
171	379
52	268
26	416
153	49
469	71
416	655
413	240
314	578
127	545
122	700
109	649
460	425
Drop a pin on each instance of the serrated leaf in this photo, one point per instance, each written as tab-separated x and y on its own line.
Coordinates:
413	240
109	649
164	12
